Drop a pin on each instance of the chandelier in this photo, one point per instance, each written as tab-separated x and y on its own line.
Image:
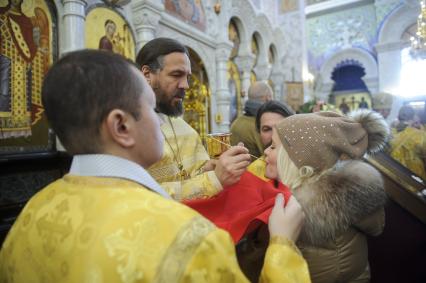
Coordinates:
418	42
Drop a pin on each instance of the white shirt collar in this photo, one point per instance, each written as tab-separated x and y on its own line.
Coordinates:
103	165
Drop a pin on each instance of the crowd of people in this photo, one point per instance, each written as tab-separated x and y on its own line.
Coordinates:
119	215
408	143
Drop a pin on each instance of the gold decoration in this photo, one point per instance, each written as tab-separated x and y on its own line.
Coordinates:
295	95
218	118
176	154
196	106
218	143
418	42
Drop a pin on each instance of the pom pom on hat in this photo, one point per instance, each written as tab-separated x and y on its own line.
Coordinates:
320	139
377	129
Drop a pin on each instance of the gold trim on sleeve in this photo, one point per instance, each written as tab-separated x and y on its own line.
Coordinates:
179	253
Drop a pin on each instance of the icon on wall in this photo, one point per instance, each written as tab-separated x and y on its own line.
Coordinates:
190	11
295	95
107	30
26	52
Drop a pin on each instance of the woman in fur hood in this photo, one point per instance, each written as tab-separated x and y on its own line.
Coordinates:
318	155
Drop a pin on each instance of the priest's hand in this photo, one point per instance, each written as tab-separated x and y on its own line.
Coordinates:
286	221
232	164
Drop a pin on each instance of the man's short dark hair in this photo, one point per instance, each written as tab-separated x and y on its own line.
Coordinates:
153	52
81	89
272	106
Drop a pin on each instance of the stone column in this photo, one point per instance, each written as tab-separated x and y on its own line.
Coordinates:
146	15
389	63
72	28
245	64
277	77
73	22
262	70
222	95
263	67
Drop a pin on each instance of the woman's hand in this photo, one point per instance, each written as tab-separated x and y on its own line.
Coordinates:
286	221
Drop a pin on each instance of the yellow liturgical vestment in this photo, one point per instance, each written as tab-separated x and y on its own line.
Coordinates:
409	148
183	146
258	168
105	229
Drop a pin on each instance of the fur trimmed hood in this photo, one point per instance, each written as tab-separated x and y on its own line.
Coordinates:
339	198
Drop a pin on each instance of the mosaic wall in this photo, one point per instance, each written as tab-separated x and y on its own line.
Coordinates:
335	31
384	8
355	27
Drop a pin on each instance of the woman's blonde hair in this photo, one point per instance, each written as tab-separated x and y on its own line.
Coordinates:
288	172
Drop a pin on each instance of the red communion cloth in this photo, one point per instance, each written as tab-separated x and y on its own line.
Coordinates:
242	207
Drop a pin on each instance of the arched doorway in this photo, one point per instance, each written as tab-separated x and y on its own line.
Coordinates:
234	80
255	51
349	91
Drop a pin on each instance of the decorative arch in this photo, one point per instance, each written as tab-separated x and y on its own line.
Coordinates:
348	76
242	31
357	56
279	40
398	22
257	22
234	35
257	47
390	43
245	13
348	62
233	75
272	54
264	27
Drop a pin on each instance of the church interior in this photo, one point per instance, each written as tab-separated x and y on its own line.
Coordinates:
316	55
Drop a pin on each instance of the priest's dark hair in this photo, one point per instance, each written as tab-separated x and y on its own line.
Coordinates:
79	92
153	52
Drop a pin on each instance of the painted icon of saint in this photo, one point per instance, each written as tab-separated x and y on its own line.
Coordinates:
24	60
111	41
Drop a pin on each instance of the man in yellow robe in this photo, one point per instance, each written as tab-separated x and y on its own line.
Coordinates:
108	220
408	147
185	170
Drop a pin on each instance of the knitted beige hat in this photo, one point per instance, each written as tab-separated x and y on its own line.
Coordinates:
320	139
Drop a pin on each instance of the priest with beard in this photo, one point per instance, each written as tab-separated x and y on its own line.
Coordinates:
185	169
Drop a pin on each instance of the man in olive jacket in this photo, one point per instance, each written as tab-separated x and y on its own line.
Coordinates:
243	129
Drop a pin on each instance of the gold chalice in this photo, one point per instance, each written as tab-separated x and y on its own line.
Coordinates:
217	143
